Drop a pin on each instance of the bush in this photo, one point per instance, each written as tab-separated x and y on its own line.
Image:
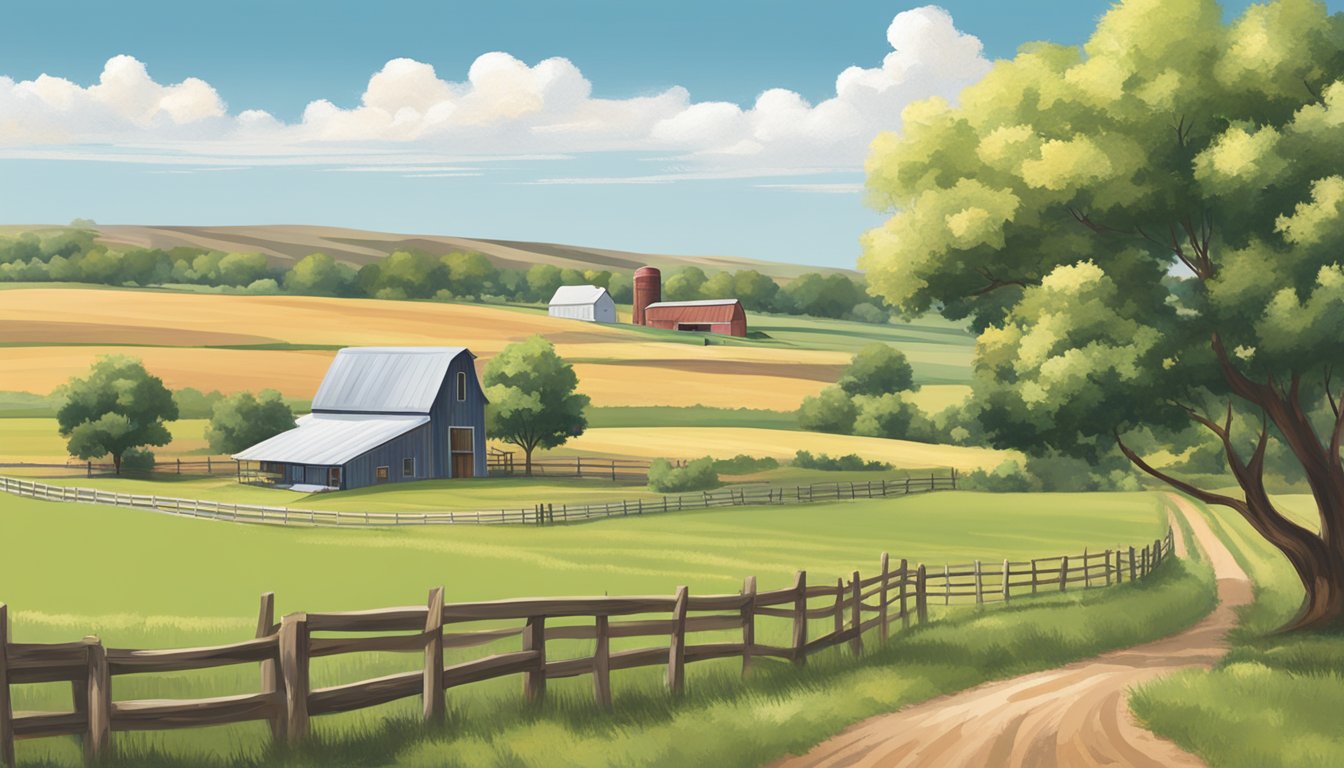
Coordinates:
848	463
1051	474
137	460
242	420
893	417
742	464
830	411
697	475
877	369
865	312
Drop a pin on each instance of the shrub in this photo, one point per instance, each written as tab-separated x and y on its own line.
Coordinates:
877	369
742	464
830	411
864	312
848	463
697	475
137	460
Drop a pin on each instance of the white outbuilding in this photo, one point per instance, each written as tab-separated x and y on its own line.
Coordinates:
583	302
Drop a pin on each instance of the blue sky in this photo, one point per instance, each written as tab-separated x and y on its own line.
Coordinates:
647	136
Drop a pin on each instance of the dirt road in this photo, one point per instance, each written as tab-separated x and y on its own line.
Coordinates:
1073	717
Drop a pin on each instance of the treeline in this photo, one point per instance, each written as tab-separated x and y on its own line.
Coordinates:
73	255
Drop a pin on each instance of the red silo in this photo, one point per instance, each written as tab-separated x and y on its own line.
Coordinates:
648	290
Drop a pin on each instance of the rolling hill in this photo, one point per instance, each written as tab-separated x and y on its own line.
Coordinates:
286	243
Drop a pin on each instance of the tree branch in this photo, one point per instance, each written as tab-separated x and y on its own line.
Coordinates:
1208	497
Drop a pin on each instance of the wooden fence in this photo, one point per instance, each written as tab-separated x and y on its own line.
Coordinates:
283	651
546	513
208	465
504	464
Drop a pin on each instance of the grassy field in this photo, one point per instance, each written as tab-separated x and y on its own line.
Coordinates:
1274	700
232	342
184	582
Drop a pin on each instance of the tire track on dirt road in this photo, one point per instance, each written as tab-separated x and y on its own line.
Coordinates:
1075	716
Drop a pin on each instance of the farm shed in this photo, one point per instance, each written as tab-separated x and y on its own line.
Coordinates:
583	302
381	415
710	316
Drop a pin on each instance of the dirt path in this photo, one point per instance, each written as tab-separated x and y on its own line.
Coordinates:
1074	716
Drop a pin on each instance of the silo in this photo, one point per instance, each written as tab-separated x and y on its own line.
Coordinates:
648	290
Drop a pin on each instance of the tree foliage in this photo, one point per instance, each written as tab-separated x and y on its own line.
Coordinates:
243	419
116	407
533	402
878	369
1146	232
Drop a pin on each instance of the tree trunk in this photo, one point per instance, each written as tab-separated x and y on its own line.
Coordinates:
527	460
116	463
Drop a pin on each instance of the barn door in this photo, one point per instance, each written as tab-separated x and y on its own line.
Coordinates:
462	444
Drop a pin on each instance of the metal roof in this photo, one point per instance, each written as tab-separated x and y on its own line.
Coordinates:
331	438
385	379
700	303
577	294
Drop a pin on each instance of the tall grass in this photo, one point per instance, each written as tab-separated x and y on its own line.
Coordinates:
1275	700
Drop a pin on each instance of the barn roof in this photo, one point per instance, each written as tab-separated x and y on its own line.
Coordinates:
331	438
700	303
385	379
709	311
577	294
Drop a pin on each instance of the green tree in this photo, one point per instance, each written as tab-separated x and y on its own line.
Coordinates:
533	403
718	286
470	274
621	288
877	369
830	411
542	280
320	275
755	290
116	407
684	284
1060	206
243	419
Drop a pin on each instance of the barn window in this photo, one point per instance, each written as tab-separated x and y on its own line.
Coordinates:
461	386
408	467
380	475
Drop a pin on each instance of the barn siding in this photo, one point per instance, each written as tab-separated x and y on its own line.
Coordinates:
416	444
447	412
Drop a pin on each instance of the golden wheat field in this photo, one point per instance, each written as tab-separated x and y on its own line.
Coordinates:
193	340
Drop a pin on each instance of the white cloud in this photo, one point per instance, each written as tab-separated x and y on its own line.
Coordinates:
409	115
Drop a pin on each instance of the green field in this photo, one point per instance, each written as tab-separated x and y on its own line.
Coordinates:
178	582
1274	700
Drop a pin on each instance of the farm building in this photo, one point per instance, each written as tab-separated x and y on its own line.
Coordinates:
724	316
381	415
710	316
583	302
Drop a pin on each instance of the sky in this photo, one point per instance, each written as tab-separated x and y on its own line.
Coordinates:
736	127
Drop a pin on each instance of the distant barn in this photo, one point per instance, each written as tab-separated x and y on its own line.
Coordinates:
382	415
583	302
710	316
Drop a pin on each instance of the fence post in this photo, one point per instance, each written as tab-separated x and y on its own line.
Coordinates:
1108	567
676	652
947	585
856	616
905	580
271	680
1157	552
1131	563
1007	585
534	639
294	666
432	692
921	594
800	619
838	612
602	663
613	470
979	584
179	466
748	621
6	706
1063	573
1087	570
98	707
882	602
89	469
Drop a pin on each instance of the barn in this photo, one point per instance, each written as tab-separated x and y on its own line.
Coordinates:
381	415
710	316
583	302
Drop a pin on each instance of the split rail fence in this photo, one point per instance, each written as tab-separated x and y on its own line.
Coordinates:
287	700
540	514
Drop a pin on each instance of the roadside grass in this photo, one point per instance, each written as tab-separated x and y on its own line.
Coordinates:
689	416
1274	700
725	721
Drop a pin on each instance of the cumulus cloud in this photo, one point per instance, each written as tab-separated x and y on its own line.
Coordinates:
503	108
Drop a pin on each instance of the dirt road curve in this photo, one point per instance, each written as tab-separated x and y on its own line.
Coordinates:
1072	717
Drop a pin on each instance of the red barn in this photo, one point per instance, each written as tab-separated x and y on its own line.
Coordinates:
712	316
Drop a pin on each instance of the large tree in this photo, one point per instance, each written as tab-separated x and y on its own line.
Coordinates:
532	399
1148	232
243	419
117	407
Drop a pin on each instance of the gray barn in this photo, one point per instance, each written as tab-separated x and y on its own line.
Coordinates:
382	415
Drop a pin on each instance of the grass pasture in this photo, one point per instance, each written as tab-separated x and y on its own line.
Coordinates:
181	582
1274	700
